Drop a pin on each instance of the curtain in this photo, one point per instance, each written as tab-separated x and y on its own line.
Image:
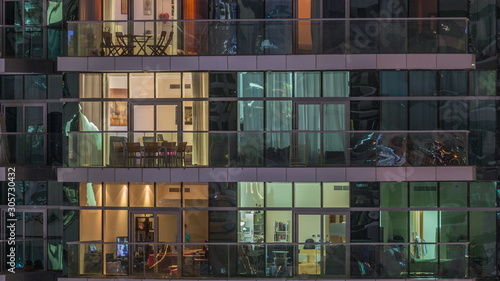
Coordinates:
307	84
336	84
278	113
200	118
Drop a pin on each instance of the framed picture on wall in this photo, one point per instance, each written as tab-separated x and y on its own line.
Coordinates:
124	7
188	115
118	113
148	7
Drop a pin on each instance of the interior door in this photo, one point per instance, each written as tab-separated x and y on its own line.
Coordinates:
322	249
159	229
320	148
160	121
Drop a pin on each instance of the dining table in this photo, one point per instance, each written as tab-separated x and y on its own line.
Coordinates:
132	39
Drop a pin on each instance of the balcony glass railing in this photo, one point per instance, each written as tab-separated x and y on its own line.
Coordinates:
31	149
266	260
33	42
268	37
266	149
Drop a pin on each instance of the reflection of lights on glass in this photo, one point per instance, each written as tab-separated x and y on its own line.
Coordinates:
124	186
215	196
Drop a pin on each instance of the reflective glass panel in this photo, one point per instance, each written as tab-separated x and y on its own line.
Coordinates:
394	194
423	194
453	194
482	194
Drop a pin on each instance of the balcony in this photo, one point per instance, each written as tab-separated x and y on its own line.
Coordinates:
262	260
238	156
268	37
267	149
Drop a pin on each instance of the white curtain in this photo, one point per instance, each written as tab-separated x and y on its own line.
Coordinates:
308	146
200	121
278	113
335	84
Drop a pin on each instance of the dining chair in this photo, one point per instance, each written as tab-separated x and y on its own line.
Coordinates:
180	153
151	154
118	158
134	153
168	152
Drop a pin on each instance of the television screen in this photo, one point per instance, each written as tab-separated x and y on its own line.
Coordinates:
121	247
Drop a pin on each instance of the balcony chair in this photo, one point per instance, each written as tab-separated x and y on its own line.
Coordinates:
127	46
134	153
160	48
112	48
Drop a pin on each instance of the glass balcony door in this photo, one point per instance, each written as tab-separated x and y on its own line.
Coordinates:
149	118
313	147
159	229
31	237
322	249
26	148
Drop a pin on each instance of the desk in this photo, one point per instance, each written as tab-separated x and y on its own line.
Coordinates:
141	41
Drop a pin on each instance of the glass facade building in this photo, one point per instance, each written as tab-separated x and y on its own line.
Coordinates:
225	139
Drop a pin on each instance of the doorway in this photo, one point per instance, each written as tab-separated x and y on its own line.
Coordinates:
152	234
322	249
313	148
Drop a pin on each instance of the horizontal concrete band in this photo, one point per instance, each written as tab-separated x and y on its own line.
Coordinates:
267	62
135	279
23	66
302	174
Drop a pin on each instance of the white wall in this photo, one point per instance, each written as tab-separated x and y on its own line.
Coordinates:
333	197
279	194
308	194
